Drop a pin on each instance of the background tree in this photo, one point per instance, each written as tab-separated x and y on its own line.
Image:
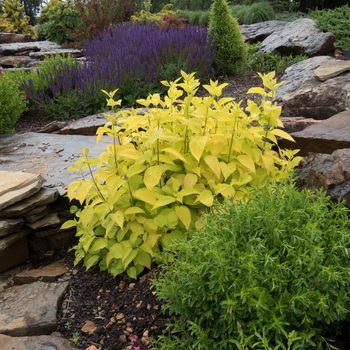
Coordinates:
231	53
32	9
16	17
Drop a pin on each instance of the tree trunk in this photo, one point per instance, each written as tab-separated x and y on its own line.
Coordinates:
307	5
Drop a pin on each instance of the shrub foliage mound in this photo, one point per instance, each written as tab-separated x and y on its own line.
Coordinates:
166	165
270	272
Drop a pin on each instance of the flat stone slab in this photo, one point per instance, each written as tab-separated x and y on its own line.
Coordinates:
323	137
48	273
10	226
44	196
42	342
15	186
30	309
48	155
331	69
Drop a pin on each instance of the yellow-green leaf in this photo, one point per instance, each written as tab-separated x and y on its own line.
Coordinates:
135	169
213	164
133	210
118	218
145	195
226	190
153	176
131	256
161	220
129	153
99	244
184	215
147	248
91	260
197	146
143	258
247	162
206	198
68	224
256	90
163	201
174	153
283	134
189	180
132	272
227	169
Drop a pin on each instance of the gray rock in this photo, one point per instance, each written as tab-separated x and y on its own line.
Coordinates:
8	240
12	61
41	342
37	213
304	95
323	137
15	186
48	273
48	155
12	48
10	226
330	172
6	38
299	37
299	72
30	309
65	52
253	33
49	220
41	198
331	69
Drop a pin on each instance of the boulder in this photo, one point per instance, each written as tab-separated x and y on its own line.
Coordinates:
299	37
30	309
253	33
304	95
295	124
323	137
10	226
6	38
330	172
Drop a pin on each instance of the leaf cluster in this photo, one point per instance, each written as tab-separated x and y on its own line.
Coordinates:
335	21
167	163
271	271
259	62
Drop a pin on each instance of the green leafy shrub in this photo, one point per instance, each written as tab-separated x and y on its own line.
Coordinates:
200	18
146	16
255	13
231	53
166	165
289	16
268	272
335	21
56	18
259	62
12	101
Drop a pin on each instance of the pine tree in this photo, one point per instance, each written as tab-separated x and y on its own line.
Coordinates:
231	53
15	16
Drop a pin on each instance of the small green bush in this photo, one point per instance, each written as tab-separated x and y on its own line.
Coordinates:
289	16
255	13
231	53
56	18
200	18
12	101
268	272
166	165
263	63
335	21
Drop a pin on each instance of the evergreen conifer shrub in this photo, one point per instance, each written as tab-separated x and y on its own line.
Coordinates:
231	54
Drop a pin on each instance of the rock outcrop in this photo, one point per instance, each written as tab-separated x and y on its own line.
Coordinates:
299	37
331	172
304	94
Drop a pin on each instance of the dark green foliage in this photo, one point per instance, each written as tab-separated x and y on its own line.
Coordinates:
56	18
231	51
337	22
264	63
196	18
270	272
290	16
255	13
